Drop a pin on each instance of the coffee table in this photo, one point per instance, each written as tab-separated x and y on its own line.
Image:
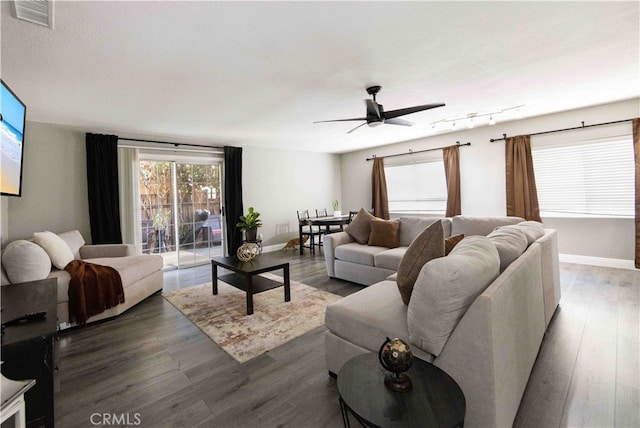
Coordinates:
246	277
435	400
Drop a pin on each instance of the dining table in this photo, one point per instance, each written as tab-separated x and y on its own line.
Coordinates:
321	222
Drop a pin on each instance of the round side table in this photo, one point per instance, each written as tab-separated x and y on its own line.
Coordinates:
435	400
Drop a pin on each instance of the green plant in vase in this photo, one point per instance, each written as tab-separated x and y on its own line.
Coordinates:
336	210
250	224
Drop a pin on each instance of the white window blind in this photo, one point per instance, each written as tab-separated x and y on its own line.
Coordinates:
595	178
417	188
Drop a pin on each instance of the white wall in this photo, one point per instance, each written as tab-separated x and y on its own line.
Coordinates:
54	185
276	183
483	178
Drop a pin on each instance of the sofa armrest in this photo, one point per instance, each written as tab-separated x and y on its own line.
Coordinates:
106	250
330	242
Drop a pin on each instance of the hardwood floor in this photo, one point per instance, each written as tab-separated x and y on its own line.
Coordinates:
153	366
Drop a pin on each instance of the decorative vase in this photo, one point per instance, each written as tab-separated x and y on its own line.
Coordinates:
337	213
396	357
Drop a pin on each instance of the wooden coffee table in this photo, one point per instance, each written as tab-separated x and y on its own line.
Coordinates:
246	277
435	400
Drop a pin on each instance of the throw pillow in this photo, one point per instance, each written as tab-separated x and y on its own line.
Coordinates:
428	245
359	228
445	289
451	242
56	248
384	233
25	261
74	241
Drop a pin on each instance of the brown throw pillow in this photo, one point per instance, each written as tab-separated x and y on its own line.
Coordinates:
385	233
451	242
429	244
359	228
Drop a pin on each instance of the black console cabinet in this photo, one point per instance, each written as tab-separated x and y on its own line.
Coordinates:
27	348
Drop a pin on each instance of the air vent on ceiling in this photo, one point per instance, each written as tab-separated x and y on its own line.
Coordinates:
36	11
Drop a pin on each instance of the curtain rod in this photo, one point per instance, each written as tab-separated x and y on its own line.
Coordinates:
411	152
504	136
167	143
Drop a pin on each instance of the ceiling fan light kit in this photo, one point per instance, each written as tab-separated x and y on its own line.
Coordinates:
377	116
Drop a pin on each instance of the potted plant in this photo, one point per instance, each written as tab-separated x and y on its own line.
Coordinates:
336	212
160	223
250	224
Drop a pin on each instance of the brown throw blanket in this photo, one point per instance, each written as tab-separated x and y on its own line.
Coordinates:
92	289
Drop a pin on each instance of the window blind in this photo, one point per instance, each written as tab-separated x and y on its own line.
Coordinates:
417	188
587	178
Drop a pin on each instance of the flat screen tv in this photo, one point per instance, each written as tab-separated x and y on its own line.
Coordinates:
13	113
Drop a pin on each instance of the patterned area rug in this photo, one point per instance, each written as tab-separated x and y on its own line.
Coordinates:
224	317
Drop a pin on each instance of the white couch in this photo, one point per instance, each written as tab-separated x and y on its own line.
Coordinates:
141	275
494	340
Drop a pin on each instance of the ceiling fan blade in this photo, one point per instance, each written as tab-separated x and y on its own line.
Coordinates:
372	109
401	112
396	121
362	124
340	120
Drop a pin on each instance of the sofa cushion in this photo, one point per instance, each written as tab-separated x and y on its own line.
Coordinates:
384	233
451	242
131	268
25	261
534	230
359	228
510	241
445	289
357	253
410	227
389	259
475	225
74	241
369	316
58	250
428	245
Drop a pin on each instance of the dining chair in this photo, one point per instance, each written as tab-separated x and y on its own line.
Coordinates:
309	230
322	212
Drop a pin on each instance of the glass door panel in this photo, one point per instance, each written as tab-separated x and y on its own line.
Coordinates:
180	211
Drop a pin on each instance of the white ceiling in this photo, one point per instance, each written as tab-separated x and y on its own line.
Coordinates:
259	73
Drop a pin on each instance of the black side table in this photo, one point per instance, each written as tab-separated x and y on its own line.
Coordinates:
27	348
435	400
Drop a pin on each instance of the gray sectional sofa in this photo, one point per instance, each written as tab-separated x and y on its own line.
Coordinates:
479	313
141	275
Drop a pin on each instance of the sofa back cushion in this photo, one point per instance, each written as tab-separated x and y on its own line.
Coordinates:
410	227
428	245
445	289
384	233
359	228
510	241
475	225
25	261
74	241
532	229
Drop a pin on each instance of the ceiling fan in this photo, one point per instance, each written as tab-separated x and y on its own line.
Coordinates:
377	116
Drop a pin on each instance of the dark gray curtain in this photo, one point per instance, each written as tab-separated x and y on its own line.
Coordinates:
103	190
233	196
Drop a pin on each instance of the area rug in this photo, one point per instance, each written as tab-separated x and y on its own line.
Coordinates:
224	318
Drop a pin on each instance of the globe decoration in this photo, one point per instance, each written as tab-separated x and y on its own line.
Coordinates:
396	357
248	251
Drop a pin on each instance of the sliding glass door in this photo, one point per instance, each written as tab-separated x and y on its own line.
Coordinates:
180	210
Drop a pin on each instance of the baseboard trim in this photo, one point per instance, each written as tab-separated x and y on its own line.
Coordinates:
597	261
